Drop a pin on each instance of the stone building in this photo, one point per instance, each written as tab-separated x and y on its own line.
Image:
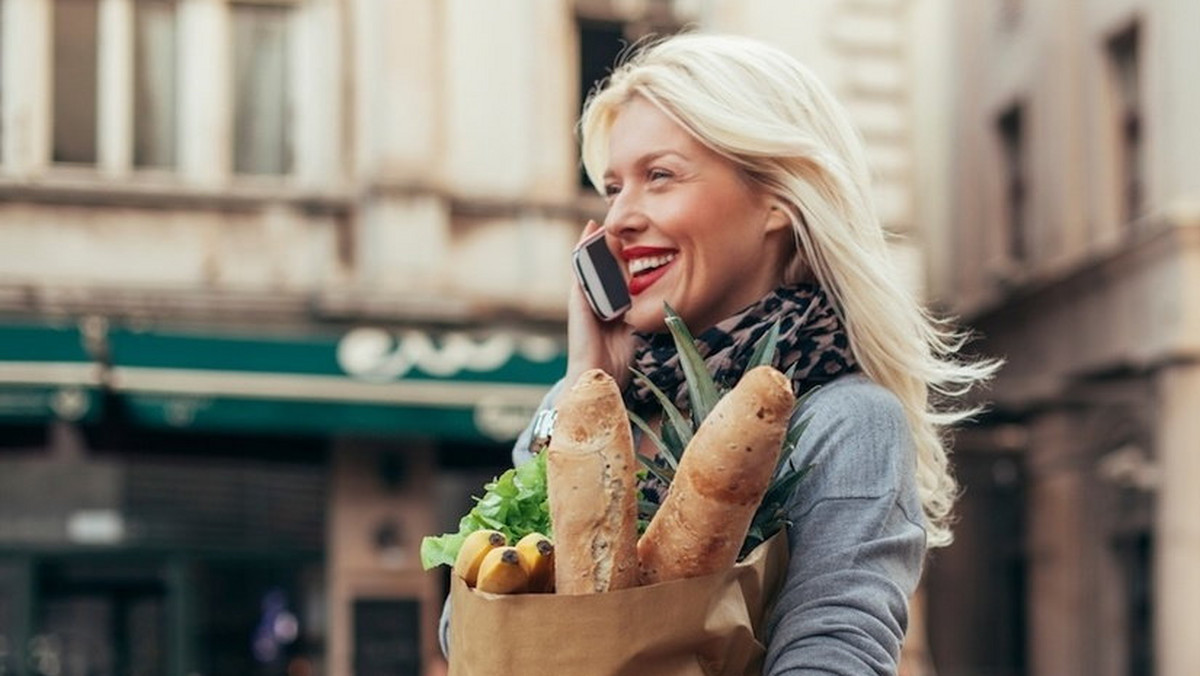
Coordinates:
1075	252
280	279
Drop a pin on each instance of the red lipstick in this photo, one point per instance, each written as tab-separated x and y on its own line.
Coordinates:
640	283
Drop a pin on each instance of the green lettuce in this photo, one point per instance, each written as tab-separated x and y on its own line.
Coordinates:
513	503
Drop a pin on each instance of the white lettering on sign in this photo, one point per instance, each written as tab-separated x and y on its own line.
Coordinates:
378	355
502	420
96	527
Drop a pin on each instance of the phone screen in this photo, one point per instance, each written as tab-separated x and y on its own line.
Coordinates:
600	276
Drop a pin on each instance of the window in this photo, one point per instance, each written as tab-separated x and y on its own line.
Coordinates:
75	60
1124	67
261	91
1010	129
154	89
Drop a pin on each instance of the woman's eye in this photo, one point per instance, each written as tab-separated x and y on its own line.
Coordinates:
656	174
611	189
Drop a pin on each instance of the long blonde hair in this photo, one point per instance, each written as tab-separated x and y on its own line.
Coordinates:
764	111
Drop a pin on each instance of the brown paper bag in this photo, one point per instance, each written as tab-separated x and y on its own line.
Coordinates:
707	626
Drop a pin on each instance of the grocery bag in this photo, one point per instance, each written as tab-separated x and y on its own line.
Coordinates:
705	626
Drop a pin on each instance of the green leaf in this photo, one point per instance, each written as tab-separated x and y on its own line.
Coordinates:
647	508
514	503
664	474
441	550
781	489
680	425
646	512
702	389
789	445
764	351
666	452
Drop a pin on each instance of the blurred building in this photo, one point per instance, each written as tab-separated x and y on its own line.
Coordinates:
1075	251
280	280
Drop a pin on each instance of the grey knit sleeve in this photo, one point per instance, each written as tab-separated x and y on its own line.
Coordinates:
857	537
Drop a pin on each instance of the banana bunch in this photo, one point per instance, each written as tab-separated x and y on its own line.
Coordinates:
487	562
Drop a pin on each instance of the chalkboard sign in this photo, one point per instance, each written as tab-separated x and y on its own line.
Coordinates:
387	637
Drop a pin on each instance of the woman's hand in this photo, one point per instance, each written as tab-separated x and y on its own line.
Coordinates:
592	343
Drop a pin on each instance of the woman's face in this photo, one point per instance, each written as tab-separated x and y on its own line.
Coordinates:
688	226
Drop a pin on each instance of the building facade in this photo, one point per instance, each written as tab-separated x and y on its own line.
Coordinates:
281	279
1075	253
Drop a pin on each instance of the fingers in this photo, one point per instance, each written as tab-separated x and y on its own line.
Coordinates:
591	227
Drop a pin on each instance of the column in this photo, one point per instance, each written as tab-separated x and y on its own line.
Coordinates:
316	69
1172	105
27	71
397	89
1057	589
1177	531
114	126
205	101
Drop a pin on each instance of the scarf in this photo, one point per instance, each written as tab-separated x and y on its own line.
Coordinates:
811	339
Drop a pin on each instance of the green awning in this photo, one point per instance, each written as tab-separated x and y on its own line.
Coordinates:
47	373
365	380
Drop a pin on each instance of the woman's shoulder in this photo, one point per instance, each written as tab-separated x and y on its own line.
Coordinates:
855	436
853	397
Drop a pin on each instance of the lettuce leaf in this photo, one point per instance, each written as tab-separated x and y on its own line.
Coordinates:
514	503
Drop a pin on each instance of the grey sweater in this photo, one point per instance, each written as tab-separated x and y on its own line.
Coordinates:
856	534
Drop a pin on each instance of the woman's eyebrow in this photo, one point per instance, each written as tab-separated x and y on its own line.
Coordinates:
650	157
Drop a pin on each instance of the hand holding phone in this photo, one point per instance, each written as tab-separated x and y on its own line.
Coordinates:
600	275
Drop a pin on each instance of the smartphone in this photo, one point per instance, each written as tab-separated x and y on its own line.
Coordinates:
600	276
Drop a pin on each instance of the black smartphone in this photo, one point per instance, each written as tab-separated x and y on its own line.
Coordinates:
600	276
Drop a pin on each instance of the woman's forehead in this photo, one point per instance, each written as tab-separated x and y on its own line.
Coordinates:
640	131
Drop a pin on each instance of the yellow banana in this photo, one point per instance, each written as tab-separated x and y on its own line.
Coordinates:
501	572
474	548
537	556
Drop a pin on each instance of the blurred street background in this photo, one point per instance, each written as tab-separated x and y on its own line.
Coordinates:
281	280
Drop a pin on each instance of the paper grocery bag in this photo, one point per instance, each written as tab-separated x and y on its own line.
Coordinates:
707	626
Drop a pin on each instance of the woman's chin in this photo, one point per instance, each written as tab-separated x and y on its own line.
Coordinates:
646	317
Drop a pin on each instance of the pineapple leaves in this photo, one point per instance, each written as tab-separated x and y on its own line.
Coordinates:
789	445
679	425
702	389
663	474
781	489
677	429
764	350
669	455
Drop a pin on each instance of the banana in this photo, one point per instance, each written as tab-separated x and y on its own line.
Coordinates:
501	572
474	548
537	557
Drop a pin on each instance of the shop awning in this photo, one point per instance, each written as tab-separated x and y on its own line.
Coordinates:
451	385
365	380
47	373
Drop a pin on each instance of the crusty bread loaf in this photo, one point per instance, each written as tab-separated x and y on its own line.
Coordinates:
592	489
722	477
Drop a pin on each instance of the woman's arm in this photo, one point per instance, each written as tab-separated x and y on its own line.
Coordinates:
856	534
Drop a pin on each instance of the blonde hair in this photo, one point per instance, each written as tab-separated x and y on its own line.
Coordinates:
764	111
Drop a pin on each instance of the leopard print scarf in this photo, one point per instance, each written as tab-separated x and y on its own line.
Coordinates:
811	339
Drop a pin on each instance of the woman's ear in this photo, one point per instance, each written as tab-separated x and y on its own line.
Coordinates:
778	217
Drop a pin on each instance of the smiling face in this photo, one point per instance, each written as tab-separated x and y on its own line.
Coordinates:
689	226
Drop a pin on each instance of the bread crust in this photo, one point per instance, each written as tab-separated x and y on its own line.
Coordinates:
592	489
726	469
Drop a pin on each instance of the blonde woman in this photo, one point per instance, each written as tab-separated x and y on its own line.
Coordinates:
738	193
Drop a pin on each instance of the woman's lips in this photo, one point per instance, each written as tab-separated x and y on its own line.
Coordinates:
640	283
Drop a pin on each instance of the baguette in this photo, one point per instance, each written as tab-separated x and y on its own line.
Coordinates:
726	469
592	489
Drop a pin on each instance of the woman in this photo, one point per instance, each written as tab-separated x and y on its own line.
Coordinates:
738	193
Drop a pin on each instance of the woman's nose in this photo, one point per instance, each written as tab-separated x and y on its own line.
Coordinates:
625	216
